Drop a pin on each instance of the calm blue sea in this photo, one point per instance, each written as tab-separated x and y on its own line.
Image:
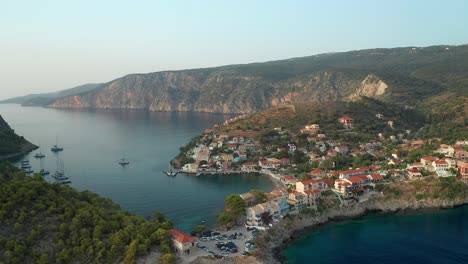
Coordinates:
94	140
439	238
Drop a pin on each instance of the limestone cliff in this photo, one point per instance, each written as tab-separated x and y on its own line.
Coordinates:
400	75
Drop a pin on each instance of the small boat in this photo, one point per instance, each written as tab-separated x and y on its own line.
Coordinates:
56	148
28	171
25	166
123	161
39	155
171	172
25	162
44	172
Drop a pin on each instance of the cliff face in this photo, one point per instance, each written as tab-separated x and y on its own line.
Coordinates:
218	92
403	75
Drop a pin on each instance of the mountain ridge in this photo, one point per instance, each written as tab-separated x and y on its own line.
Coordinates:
43	99
410	75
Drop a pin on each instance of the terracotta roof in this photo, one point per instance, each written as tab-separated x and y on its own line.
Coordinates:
429	158
414	170
329	182
181	236
441	162
376	176
317	171
289	178
355	179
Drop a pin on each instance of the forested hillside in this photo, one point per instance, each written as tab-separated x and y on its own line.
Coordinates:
51	223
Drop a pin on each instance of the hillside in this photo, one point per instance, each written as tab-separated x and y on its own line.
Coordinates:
403	75
443	117
11	144
50	223
47	98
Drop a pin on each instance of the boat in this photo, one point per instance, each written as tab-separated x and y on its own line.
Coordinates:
39	155
123	161
25	162
59	174
28	170
25	166
171	172
56	148
44	172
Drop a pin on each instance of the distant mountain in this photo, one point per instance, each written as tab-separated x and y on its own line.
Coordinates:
47	98
12	145
403	75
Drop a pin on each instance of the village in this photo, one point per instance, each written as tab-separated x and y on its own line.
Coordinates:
305	170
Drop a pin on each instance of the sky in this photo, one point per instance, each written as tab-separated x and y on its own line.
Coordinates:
53	45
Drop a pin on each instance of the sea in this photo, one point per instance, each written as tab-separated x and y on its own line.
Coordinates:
439	237
95	140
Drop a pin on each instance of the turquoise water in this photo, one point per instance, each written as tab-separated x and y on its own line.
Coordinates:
94	140
440	237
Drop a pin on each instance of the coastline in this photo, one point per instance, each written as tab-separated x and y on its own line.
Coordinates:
278	238
25	149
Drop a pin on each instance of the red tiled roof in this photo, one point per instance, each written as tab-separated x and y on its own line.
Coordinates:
181	236
329	182
440	162
317	171
355	179
414	170
429	158
376	176
289	178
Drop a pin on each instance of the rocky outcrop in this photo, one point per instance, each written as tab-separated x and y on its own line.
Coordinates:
372	86
12	145
286	231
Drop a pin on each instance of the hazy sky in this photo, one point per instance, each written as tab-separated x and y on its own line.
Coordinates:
53	45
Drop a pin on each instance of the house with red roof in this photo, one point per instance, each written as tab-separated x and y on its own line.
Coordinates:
249	166
414	173
347	121
297	199
375	177
317	173
343	187
289	180
182	242
462	167
427	162
349	173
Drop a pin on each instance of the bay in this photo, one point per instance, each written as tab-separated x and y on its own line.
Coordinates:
437	237
94	141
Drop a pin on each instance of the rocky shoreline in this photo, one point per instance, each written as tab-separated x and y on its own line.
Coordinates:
25	149
275	240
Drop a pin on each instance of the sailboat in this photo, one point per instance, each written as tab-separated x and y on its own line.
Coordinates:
56	148
59	174
123	161
43	172
39	155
